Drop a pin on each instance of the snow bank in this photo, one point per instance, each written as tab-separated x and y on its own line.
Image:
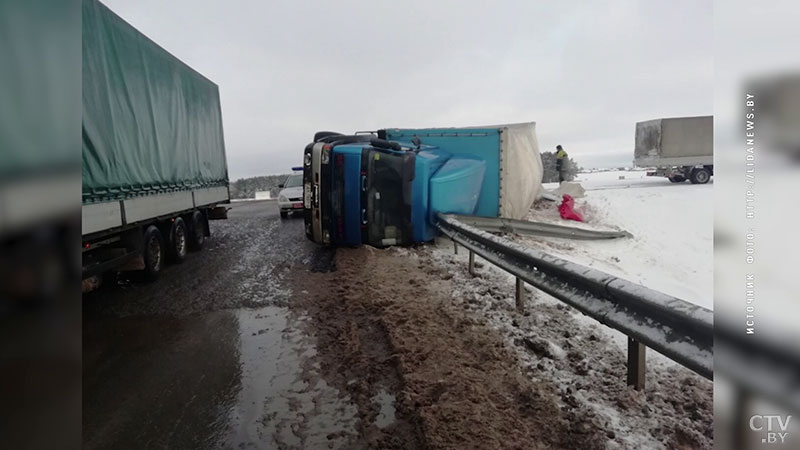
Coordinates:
670	251
672	225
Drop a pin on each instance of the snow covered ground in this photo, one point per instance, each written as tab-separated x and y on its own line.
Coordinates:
671	251
672	225
554	343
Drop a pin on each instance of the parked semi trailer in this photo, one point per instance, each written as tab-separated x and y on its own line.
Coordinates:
154	168
679	148
385	188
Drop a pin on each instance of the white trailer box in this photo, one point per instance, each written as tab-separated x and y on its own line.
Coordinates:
522	170
672	142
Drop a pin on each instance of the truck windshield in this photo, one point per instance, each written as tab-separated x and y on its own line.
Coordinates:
388	196
294	181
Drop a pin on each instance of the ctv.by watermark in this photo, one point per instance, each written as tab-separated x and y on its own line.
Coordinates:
773	428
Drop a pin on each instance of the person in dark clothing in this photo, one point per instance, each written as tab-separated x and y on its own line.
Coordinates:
561	163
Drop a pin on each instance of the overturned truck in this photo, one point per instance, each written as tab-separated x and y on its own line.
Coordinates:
386	187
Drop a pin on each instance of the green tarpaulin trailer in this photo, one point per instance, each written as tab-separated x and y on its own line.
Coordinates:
153	148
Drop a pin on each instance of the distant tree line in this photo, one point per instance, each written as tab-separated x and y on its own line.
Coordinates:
247	187
551	175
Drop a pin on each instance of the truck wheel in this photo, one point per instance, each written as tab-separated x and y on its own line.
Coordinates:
700	176
197	231
178	241
284	214
323	134
677	179
153	252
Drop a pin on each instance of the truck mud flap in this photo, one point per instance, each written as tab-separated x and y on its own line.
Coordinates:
218	213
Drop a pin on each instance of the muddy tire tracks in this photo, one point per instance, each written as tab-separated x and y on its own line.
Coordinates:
384	325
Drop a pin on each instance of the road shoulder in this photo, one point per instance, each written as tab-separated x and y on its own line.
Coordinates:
386	324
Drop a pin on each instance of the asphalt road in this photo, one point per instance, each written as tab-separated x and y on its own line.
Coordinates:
212	355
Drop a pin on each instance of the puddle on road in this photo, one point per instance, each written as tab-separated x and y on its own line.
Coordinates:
386	413
283	402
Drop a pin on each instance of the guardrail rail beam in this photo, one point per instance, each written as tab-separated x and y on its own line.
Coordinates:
679	330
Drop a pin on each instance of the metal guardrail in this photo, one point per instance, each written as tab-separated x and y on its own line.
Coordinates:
673	327
502	225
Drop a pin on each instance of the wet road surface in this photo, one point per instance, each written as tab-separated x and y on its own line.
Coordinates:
264	340
212	355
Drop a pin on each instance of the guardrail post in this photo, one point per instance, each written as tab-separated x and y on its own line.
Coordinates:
472	263
636	363
520	295
455	247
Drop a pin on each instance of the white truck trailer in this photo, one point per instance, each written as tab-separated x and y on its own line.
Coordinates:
679	148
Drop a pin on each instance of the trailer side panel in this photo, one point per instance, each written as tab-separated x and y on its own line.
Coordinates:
151	124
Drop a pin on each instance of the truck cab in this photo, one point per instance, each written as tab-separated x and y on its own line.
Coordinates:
357	190
365	189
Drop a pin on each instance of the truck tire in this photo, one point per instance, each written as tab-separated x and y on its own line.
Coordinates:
677	178
700	176
284	214
343	139
197	231
381	143
323	134
153	252
178	241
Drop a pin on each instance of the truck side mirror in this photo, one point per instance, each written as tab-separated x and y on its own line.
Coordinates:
280	186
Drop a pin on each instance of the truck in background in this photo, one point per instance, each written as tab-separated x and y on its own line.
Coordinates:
679	148
154	167
386	188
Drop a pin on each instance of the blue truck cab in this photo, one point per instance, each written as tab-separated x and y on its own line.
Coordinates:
385	188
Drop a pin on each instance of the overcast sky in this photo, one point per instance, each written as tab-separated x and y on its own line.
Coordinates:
585	74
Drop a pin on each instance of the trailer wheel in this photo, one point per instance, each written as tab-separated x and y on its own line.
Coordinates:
197	231
700	176
178	241
677	179
153	252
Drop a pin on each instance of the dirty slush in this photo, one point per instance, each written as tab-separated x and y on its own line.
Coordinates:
387	326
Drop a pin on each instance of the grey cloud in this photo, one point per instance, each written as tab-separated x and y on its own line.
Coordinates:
584	73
